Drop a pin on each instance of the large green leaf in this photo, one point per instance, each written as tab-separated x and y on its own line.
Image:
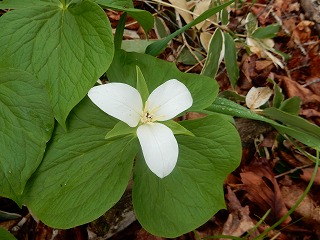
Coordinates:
116	3
68	47
82	174
25	127
5	4
144	18
155	71
193	192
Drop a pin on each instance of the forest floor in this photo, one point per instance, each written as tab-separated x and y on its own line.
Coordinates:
272	174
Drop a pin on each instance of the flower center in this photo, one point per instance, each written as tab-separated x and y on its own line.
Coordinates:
147	117
150	115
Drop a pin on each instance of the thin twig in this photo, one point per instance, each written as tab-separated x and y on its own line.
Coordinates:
317	80
293	170
279	21
299	67
297	42
189	69
266	9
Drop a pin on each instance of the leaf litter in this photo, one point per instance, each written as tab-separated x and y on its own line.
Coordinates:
272	175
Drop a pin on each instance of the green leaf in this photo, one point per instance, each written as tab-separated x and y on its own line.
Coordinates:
309	137
15	4
25	127
232	95
278	96
228	107
82	174
67	47
136	45
5	216
144	18
177	128
230	58
188	58
224	17
215	54
291	105
142	86
119	130
297	123
155	71
119	3
269	31
119	31
160	27
251	23
5	235
193	192
157	47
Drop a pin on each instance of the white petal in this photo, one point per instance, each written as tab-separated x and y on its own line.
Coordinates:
159	147
169	99
118	100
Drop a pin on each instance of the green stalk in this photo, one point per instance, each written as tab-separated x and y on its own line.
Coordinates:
224	237
258	224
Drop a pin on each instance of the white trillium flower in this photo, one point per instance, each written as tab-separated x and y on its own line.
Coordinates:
159	146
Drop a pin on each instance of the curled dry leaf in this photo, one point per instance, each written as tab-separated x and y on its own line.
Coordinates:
257	46
293	88
302	32
205	38
201	7
248	64
256	97
263	64
308	208
263	189
181	7
309	113
238	221
262	48
307	174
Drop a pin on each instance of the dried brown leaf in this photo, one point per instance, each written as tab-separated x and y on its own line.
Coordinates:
181	6
205	38
201	7
292	88
309	113
308	209
263	64
307	173
238	221
263	189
